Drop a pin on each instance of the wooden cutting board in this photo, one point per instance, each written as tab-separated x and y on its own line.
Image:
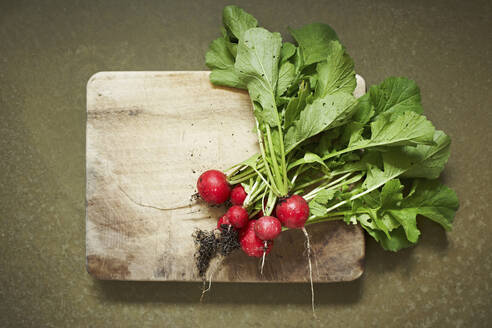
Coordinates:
149	136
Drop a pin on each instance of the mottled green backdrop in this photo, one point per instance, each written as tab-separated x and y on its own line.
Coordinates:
48	51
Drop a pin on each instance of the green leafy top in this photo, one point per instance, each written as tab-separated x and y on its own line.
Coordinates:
371	161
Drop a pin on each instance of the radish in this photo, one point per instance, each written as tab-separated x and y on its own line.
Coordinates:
251	244
293	212
238	195
224	220
268	228
213	187
237	216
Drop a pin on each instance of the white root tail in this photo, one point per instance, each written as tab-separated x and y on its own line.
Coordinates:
214	270
308	248
263	257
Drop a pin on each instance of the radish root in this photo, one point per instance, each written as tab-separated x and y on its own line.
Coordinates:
265	247
210	245
308	248
214	270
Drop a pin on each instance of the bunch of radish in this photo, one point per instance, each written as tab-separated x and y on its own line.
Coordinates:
256	235
255	231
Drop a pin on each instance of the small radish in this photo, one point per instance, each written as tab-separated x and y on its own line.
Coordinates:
293	212
224	220
213	187
238	195
237	216
251	244
268	228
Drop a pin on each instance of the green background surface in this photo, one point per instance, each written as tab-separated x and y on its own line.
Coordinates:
48	51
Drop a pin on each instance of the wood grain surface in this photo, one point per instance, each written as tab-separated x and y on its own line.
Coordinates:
149	136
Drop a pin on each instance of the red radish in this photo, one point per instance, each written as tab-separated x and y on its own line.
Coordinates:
268	228
223	220
237	216
238	195
213	187
293	212
251	244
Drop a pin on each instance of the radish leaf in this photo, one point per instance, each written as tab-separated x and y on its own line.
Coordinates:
237	21
314	42
286	76
336	73
287	51
257	61
324	113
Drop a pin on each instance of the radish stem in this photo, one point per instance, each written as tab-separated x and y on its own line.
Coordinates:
263	155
